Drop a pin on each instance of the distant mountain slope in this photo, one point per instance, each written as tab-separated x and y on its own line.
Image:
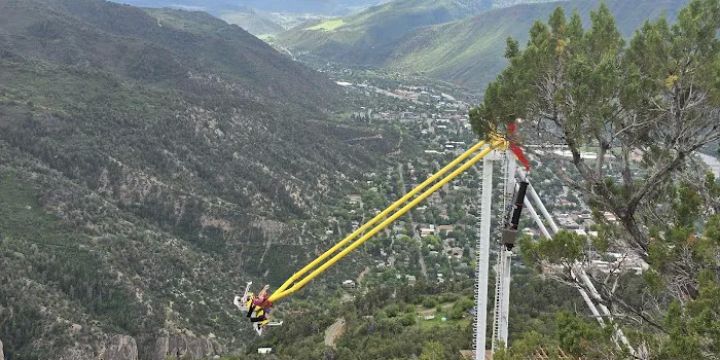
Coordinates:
370	37
262	17
217	7
263	23
273	17
149	165
164	49
470	52
421	36
254	22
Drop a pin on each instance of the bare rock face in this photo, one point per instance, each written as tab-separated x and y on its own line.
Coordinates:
120	347
185	346
2	355
79	352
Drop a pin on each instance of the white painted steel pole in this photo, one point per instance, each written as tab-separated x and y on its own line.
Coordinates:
505	305
543	210
535	217
483	259
577	271
505	276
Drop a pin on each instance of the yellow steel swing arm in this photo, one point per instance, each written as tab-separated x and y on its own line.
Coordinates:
298	280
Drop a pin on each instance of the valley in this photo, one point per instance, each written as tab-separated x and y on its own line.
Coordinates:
427	258
464	46
144	213
154	159
148	174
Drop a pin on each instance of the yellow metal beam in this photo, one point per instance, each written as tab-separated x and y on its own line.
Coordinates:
380	216
282	293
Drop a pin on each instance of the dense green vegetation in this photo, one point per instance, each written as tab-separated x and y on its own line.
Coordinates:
153	160
656	96
150	162
390	322
57	255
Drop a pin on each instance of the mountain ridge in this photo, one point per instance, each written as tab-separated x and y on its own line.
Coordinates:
218	7
467	51
148	165
377	28
453	47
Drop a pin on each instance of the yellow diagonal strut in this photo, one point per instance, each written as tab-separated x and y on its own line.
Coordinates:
381	215
297	281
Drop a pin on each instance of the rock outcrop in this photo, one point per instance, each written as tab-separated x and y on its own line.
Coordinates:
120	347
185	346
2	355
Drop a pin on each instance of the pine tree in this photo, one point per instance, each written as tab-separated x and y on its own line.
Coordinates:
655	97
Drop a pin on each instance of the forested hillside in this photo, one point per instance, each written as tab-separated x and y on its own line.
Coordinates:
470	52
154	160
451	44
149	163
369	37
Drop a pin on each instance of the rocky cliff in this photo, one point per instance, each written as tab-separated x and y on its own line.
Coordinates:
185	345
120	347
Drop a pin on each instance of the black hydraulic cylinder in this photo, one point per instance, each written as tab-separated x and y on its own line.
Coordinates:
519	202
510	233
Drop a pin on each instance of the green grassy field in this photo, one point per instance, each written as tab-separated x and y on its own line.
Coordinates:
328	25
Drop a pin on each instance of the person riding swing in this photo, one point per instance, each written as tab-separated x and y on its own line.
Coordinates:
260	306
256	308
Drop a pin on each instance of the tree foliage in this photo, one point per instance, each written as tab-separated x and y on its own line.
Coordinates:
433	350
644	106
656	98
